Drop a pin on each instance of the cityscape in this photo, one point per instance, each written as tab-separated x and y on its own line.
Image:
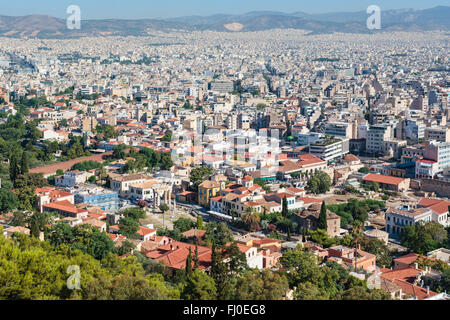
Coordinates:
261	156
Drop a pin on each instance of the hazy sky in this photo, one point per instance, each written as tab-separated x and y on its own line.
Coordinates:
94	9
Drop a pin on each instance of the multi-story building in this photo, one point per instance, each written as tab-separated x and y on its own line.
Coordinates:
330	149
222	86
71	178
96	196
142	191
207	190
439	152
339	129
375	137
393	147
441	134
121	184
426	169
398	218
414	130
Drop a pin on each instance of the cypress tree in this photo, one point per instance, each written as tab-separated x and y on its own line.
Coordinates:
196	262
220	275
189	264
24	163
34	226
284	210
323	217
14	169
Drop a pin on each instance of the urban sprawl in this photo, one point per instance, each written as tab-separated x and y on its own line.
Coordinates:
209	165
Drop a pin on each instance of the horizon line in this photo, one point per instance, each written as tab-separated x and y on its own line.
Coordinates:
214	14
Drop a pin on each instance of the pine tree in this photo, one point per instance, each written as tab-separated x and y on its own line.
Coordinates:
189	264
323	217
284	210
24	163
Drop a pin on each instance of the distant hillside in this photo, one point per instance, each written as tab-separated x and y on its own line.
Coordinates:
42	26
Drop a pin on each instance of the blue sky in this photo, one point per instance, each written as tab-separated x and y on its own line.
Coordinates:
135	9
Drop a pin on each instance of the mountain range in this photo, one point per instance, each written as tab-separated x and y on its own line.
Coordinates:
42	26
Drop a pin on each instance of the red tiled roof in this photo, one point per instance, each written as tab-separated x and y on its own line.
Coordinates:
383	179
174	255
413	290
408	258
307	200
65	206
438	206
406	274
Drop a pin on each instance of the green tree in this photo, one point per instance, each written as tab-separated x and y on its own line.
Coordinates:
24	165
124	248
167	137
319	183
262	184
183	224
14	169
322	223
189	264
8	200
19	218
321	237
90	240
134	213
236	260
38	221
195	259
364	170
284	208
200	174
218	234
251	219
378	248
119	151
423	237
200	224
199	286
261	285
219	272
128	227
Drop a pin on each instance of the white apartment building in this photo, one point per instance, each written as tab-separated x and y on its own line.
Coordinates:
426	169
398	218
71	178
330	149
122	184
439	152
375	137
339	129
